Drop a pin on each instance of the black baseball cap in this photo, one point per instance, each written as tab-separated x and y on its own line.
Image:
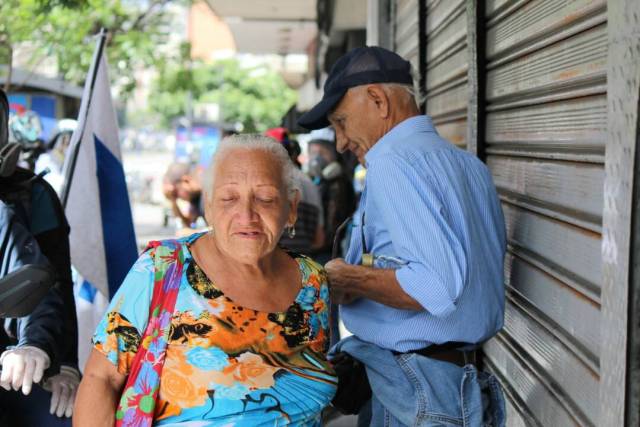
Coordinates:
359	66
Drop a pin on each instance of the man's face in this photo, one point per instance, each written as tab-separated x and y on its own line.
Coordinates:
356	123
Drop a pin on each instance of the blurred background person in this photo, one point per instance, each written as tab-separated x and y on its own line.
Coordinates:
307	236
181	184
331	176
52	160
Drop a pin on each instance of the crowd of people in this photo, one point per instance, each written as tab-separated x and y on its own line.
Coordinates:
235	322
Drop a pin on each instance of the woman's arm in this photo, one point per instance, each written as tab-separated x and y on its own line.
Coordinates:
99	393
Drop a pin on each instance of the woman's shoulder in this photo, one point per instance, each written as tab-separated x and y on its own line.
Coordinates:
313	273
176	242
307	261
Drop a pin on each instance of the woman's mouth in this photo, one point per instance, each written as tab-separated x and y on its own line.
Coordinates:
249	234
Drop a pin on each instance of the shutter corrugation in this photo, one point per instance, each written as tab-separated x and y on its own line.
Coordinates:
407	34
546	127
446	68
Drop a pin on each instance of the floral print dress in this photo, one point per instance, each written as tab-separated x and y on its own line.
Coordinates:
227	365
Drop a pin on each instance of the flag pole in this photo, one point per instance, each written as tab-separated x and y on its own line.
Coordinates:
74	146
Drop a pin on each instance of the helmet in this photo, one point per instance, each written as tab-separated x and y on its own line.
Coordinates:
25	128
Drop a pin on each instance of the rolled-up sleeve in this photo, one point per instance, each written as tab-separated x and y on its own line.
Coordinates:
410	205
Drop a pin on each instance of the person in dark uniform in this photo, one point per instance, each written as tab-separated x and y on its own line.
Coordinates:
44	344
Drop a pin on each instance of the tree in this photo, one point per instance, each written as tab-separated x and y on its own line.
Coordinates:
257	97
17	21
63	29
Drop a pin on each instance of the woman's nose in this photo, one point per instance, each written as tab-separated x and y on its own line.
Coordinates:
247	209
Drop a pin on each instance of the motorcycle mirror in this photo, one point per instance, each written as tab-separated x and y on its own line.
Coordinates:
22	290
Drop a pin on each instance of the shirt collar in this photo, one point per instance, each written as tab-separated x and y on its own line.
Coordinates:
415	124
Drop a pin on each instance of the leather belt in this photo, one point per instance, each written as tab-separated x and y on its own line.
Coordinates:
448	352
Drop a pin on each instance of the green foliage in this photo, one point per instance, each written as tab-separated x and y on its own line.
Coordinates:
256	97
64	29
18	18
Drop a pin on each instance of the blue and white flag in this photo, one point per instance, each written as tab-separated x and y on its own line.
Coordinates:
102	239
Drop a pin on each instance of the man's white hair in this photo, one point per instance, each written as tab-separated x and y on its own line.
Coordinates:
254	142
413	93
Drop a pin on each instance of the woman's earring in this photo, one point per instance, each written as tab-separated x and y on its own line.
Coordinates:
292	231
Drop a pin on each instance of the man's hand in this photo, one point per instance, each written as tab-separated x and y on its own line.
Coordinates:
336	269
23	366
349	282
339	283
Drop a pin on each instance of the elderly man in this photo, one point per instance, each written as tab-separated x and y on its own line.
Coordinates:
422	283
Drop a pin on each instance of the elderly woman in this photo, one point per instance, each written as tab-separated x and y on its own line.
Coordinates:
222	328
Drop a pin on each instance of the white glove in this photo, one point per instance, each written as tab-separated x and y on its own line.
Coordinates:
63	391
22	366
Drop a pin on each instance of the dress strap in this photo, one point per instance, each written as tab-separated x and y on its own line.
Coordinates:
138	400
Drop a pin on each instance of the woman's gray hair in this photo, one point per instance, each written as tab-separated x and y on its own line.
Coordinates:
254	142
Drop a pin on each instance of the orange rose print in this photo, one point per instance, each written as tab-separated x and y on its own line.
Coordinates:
177	388
250	370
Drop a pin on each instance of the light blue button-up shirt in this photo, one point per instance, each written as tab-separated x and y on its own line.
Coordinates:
435	207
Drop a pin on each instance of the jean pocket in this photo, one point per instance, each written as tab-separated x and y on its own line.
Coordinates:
436	388
490	408
496	397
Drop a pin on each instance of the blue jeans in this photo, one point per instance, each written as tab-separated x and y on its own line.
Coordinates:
413	390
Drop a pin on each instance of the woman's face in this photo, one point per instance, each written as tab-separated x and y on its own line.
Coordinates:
249	208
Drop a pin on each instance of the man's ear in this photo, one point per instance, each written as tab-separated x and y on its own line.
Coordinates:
377	95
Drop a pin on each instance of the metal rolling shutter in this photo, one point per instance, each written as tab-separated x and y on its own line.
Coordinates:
407	32
546	127
446	68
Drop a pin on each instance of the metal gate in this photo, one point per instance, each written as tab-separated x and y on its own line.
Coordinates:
527	85
545	133
406	34
446	56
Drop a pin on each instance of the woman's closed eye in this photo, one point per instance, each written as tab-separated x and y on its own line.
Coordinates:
266	198
227	198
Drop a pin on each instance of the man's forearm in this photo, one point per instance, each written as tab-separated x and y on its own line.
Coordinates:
379	285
